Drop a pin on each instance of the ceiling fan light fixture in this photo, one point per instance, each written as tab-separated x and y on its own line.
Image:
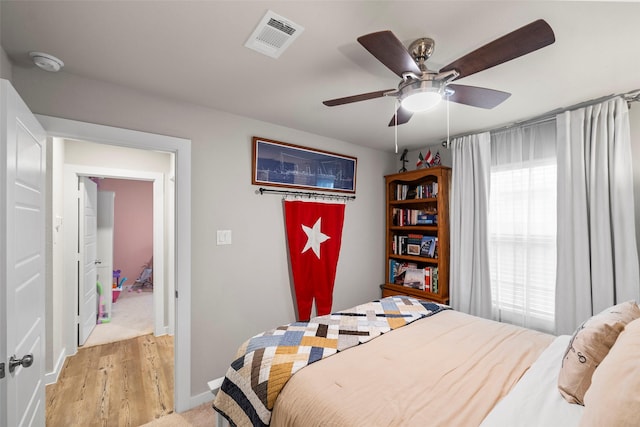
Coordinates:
421	100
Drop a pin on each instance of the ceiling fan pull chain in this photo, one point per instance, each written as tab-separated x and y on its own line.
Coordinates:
448	142
395	128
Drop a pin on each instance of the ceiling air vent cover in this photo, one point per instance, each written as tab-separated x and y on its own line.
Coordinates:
273	35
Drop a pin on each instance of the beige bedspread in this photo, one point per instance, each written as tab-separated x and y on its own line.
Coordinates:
446	370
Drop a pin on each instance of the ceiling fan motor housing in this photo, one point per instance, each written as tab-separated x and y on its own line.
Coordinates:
421	50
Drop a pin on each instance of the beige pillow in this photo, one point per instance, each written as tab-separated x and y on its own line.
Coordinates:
614	396
588	347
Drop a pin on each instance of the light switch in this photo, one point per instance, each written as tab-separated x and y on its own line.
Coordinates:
223	237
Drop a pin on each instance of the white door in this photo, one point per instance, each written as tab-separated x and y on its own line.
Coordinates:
106	203
87	256
22	262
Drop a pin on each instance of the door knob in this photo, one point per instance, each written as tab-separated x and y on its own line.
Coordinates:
26	361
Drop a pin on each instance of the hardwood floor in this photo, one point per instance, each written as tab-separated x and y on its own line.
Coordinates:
127	383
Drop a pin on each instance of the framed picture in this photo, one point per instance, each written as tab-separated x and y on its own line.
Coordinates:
287	165
413	249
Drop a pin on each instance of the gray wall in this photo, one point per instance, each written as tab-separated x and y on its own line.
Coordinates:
242	289
5	63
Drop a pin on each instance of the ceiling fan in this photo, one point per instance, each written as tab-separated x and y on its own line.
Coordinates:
421	88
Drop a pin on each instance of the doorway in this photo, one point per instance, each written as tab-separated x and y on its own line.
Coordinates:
65	343
125	254
72	172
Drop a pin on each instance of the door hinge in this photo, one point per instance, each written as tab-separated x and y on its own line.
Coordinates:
176	293
1	370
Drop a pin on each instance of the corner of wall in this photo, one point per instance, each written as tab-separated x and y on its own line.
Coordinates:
6	66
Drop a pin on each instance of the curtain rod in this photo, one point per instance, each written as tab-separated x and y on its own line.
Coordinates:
631	96
306	194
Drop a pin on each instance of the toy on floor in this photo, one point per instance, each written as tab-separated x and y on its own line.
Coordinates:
145	278
103	315
115	292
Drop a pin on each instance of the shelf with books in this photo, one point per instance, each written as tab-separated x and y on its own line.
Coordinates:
417	234
414	244
417	228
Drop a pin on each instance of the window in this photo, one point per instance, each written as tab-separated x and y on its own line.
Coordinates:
522	235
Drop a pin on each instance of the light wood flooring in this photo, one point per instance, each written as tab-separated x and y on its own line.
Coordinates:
126	383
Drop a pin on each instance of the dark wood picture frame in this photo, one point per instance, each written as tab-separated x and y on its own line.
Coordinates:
280	164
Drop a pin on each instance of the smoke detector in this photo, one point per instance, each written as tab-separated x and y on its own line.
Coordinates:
273	35
46	62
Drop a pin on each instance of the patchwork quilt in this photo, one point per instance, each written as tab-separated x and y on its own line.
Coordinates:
265	362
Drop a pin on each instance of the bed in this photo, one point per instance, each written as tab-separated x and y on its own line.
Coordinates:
431	367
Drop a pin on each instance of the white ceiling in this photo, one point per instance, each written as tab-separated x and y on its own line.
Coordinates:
194	51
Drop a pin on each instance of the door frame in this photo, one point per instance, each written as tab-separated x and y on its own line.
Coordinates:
181	148
71	175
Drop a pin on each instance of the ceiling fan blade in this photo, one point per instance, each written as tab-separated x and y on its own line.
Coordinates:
386	47
477	96
356	98
522	41
403	116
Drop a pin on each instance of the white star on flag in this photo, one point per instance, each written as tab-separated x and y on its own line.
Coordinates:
314	237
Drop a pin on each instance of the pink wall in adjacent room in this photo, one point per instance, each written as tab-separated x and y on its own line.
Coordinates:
133	227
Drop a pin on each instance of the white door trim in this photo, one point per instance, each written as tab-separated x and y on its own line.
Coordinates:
72	172
71	129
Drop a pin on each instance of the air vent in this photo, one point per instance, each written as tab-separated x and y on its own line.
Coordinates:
273	35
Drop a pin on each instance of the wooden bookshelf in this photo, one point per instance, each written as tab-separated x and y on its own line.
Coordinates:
413	209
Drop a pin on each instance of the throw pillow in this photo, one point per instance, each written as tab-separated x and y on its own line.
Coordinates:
588	347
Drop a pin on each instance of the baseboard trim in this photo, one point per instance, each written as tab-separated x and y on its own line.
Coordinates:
199	399
52	377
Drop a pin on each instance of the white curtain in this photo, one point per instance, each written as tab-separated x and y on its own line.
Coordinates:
470	287
522	225
597	254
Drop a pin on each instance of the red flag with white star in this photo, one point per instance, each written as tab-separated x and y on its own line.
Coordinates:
314	234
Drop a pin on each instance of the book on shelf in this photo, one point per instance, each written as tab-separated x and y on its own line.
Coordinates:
422	191
399	244
414	278
398	269
402	217
430	275
434	280
424	218
415	245
410	275
427	190
428	246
